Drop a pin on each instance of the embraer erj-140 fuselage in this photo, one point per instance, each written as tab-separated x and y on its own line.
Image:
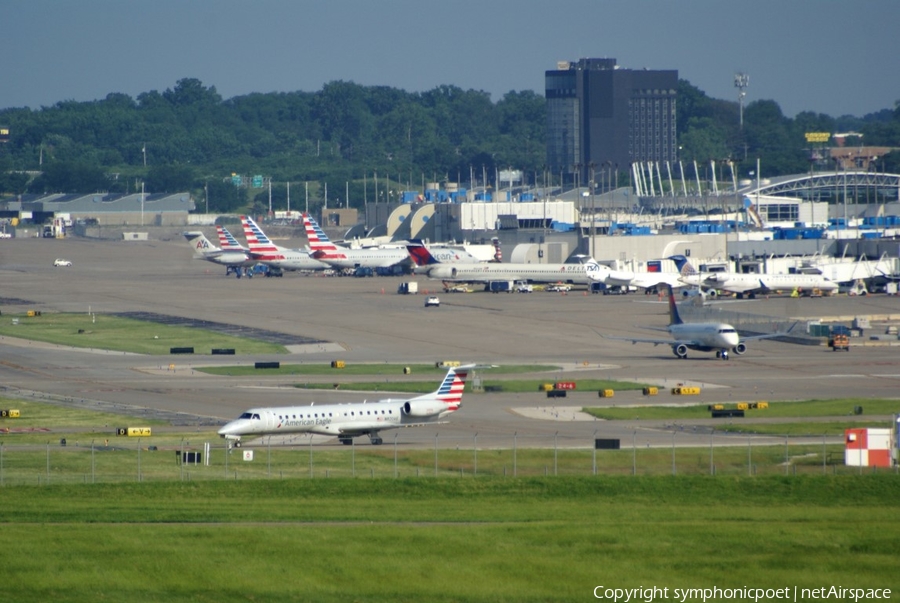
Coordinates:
346	421
718	337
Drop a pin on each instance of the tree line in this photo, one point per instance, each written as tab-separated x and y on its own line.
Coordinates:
344	136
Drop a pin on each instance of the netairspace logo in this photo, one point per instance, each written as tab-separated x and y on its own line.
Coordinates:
787	593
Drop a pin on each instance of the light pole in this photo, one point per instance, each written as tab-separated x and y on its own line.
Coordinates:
741	81
584	197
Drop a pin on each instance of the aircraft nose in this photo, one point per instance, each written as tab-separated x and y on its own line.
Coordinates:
227	429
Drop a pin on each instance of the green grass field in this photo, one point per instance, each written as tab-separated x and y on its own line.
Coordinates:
485	539
110	519
101	331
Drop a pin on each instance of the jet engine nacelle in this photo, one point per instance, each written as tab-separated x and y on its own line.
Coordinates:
423	408
442	272
697	292
739	349
680	350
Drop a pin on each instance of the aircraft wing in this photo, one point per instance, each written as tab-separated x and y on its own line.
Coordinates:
654	341
768	335
652	279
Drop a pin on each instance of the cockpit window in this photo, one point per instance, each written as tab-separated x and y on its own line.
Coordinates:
727	331
246	415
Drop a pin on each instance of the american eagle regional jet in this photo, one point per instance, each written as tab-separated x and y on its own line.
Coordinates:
346	421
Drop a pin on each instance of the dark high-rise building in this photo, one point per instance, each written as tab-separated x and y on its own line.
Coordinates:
599	115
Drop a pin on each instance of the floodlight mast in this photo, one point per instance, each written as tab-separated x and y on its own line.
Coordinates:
741	82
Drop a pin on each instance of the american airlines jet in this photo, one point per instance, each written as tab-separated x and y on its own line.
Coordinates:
324	250
231	257
584	273
718	337
266	252
227	241
346	421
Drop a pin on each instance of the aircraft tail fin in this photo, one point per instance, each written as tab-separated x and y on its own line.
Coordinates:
257	240
674	318
420	254
449	392
318	240
227	240
594	271
199	243
683	265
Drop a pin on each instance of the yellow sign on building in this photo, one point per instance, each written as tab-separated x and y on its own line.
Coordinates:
817	136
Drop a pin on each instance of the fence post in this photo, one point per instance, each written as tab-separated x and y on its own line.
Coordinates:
139	459
435	455
633	453
749	458
555	453
515	449
787	458
673	453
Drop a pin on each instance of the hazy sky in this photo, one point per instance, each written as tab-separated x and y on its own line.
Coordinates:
833	57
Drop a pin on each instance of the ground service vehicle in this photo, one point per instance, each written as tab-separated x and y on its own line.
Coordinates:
432	301
499	286
410	288
839	342
61	262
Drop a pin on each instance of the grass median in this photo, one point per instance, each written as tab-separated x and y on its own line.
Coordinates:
489	539
115	333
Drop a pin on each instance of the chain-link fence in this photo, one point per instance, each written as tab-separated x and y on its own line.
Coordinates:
135	461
